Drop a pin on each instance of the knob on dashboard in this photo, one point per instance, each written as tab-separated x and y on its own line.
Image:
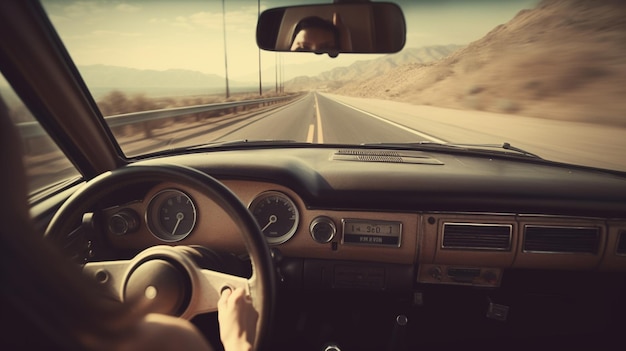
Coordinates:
124	222
436	273
331	347
323	229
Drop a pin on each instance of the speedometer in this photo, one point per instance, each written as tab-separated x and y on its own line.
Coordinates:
277	215
171	215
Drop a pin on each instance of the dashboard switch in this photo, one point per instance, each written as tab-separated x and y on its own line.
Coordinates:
497	312
331	347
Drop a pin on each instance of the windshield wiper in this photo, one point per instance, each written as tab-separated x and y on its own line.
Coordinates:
433	146
508	146
243	142
505	146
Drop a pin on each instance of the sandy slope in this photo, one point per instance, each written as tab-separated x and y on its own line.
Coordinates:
368	69
565	59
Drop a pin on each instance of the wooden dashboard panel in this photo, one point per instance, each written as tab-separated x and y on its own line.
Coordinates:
216	230
421	241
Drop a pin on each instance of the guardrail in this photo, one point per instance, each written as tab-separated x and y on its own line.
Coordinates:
33	129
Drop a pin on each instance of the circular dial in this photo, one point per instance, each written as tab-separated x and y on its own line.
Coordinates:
277	215
171	215
323	229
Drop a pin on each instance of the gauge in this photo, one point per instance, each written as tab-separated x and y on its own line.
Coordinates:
277	215
171	215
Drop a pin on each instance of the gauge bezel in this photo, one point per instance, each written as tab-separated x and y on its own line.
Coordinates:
326	220
153	215
274	193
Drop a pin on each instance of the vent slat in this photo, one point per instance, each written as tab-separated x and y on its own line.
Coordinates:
391	159
368	153
476	236
561	239
384	157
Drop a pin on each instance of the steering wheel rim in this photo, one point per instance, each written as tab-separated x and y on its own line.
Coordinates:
261	285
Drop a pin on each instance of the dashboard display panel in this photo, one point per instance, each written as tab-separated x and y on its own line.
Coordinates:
368	232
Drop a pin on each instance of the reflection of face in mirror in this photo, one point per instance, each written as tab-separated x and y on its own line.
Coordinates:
315	34
337	28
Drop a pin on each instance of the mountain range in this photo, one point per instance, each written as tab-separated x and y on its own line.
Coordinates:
368	69
101	79
563	59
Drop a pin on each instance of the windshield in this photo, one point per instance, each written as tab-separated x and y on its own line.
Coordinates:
546	77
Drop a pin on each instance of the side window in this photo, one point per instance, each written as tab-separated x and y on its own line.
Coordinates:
46	166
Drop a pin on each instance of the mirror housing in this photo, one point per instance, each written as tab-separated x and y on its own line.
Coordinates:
359	27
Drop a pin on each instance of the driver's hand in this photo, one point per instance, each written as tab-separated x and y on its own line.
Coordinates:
237	319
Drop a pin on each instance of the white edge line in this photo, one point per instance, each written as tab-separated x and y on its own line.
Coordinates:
397	125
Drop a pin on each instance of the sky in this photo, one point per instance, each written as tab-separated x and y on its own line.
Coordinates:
188	34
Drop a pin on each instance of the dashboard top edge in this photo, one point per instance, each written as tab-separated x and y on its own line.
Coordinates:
473	185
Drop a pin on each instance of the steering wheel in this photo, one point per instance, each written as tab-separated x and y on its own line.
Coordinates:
167	278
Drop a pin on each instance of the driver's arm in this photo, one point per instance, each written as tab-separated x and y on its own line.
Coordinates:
237	320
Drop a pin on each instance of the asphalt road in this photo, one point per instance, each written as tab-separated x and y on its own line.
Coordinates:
315	118
327	118
588	144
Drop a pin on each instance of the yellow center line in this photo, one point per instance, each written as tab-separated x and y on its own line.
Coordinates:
320	135
309	137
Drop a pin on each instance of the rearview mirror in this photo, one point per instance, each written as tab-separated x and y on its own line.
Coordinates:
363	27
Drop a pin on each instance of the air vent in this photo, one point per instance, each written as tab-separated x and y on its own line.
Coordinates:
621	243
561	239
477	236
386	156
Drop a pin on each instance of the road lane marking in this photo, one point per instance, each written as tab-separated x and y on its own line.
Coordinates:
320	135
397	125
309	137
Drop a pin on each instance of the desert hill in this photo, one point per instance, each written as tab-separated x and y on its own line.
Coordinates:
368	69
123	77
564	59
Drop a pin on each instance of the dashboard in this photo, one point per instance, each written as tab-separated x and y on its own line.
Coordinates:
464	220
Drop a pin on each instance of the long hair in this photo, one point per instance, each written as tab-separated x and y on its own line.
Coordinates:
46	301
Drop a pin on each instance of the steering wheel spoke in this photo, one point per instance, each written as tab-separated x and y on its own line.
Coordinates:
166	271
110	275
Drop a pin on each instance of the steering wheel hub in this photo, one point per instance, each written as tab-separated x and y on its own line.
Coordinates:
159	284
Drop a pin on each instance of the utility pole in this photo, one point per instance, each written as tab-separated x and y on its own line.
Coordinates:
225	49
282	74
260	81
276	69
